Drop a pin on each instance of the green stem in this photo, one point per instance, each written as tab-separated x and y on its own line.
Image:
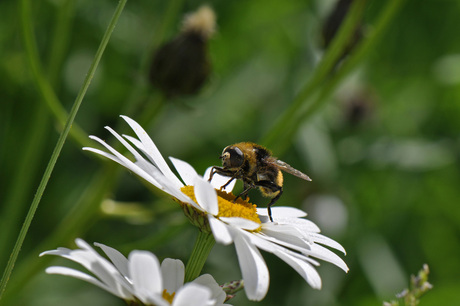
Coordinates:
81	216
203	246
44	87
360	52
34	144
327	64
26	169
60	143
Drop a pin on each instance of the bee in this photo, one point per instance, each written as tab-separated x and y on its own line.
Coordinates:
257	168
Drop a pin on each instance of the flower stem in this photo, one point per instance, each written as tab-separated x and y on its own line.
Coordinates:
288	121
203	246
59	145
354	59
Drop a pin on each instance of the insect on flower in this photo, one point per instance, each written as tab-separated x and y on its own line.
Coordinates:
257	168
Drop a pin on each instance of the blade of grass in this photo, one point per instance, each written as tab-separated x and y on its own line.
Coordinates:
43	85
28	161
355	58
308	109
329	60
86	208
60	143
27	166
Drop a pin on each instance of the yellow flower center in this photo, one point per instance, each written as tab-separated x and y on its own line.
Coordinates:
228	206
168	297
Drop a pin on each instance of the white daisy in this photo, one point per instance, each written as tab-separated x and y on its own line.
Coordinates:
291	237
140	277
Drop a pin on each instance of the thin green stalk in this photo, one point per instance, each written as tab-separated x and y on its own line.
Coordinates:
327	64
28	163
81	216
203	246
354	59
86	208
44	87
34	144
59	144
363	49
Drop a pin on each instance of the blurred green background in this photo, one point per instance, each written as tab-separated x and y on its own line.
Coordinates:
383	151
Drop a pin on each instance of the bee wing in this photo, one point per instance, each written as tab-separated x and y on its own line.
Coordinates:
288	168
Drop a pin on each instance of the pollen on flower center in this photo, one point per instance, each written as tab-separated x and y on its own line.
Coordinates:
228	208
168	297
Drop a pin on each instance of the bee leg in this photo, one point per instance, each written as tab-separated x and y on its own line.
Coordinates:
244	193
226	184
224	172
273	190
273	202
214	170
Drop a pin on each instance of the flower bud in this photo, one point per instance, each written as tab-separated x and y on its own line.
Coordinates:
182	66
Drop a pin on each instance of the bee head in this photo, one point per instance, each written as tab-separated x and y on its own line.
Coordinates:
232	157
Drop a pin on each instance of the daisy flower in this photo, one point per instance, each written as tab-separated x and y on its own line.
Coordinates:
294	239
139	278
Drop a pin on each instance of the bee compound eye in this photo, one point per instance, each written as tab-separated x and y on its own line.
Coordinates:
236	157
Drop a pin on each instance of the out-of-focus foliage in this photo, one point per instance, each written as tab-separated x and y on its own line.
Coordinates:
383	154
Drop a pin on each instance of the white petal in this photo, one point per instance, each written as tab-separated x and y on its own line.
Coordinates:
206	196
59	252
87	278
118	259
208	281
95	263
252	266
241	223
169	174
219	180
136	155
305	270
220	231
286	235
321	252
152	150
127	163
154	177
192	295
173	272
144	269
283	212
328	242
304	225
82	244
103	153
185	170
